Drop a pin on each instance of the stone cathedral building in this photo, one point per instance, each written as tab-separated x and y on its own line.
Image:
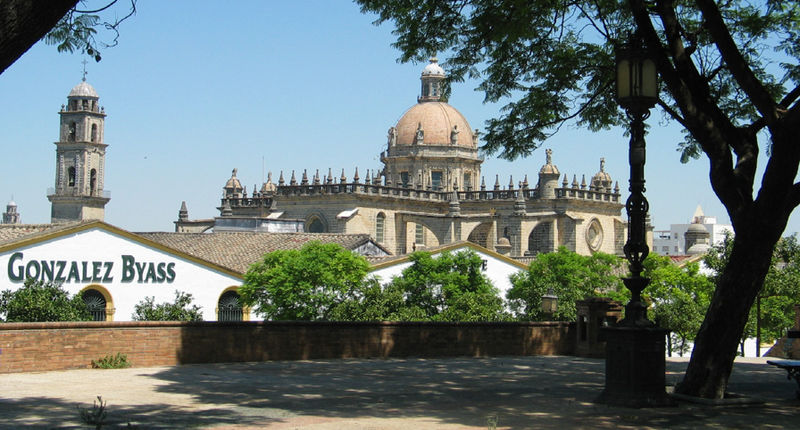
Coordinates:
431	191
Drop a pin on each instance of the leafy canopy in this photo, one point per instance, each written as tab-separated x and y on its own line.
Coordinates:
569	276
77	30
38	301
679	298
181	309
553	61
303	284
448	287
779	293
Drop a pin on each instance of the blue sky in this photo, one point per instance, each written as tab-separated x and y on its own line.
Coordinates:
197	88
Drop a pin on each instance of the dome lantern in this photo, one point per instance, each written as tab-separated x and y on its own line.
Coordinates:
432	77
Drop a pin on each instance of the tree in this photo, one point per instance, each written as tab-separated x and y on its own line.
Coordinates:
181	309
372	301
730	77
39	301
25	22
679	298
568	275
447	287
303	284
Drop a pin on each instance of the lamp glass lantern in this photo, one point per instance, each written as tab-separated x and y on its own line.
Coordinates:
637	77
549	302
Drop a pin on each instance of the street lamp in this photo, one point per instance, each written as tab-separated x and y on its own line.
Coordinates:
549	303
635	365
637	92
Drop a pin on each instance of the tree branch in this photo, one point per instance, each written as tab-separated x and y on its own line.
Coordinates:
735	61
24	22
711	128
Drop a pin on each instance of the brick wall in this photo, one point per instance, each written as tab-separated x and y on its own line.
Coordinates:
27	347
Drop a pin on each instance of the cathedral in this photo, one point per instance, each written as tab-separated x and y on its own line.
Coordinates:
429	192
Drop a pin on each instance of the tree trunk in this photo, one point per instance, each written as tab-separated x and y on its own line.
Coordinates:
718	339
24	22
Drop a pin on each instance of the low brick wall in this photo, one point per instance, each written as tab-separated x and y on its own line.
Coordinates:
27	347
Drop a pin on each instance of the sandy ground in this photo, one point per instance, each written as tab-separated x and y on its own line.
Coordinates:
460	393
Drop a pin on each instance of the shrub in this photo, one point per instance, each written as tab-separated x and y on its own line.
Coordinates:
39	301
179	310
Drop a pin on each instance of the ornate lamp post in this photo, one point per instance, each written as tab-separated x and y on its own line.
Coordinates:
635	348
637	92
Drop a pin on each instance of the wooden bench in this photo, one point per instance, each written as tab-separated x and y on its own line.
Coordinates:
791	366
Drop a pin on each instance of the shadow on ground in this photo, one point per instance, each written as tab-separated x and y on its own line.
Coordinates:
521	392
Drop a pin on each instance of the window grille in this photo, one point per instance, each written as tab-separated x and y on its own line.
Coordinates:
230	308
96	303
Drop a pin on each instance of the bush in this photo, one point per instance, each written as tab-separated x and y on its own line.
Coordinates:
39	301
179	310
119	361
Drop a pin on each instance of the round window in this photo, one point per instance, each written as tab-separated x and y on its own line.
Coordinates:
594	235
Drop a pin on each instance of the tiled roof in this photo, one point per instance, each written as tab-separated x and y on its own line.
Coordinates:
238	250
15	232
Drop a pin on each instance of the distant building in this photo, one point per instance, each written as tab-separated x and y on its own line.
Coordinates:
11	216
80	159
693	238
430	192
113	269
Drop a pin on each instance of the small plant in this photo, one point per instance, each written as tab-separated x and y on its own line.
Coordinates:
491	422
95	416
119	361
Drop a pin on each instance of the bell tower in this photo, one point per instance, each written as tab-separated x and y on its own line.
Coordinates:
80	159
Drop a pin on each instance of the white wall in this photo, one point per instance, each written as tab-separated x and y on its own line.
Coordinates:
106	251
497	271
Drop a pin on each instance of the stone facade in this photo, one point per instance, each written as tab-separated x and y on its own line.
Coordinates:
430	192
80	159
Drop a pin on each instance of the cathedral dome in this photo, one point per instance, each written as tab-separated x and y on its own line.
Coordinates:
83	89
440	123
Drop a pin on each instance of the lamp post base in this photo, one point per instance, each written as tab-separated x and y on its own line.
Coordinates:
635	368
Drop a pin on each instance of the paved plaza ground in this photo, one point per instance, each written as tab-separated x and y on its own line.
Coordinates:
458	393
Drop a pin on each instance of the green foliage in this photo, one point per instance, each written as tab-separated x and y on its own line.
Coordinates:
181	309
74	32
78	30
303	284
779	293
118	361
448	287
571	277
553	62
679	298
38	301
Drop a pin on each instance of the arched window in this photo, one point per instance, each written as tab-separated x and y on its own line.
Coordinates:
94	132
92	181
85	105
380	220
316	226
73	128
96	303
230	307
71	176
541	239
